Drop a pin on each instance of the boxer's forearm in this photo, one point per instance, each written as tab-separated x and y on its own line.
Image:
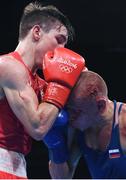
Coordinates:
64	170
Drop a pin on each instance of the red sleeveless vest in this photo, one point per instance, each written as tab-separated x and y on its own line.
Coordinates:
12	133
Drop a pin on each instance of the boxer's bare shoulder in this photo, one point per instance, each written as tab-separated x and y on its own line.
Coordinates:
11	70
123	119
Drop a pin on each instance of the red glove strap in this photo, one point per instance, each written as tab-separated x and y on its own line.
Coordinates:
56	94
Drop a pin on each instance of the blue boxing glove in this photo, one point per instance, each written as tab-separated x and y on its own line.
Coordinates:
62	119
55	139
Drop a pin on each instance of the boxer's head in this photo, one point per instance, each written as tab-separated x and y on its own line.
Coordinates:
44	16
87	100
46	27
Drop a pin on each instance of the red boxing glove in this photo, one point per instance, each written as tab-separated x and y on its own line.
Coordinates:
61	69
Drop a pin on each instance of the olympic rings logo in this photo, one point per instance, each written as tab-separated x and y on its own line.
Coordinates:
65	69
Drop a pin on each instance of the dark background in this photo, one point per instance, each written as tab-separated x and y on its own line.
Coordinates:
100	37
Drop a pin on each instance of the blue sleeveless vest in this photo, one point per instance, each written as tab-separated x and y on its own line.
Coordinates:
108	164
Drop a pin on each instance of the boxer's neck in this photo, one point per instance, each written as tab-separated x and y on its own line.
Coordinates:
27	52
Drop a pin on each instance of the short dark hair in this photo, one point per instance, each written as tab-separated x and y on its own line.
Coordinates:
34	13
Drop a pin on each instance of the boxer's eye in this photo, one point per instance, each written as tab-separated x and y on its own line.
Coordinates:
61	39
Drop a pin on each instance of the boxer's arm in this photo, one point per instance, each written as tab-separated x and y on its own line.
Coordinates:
36	118
67	169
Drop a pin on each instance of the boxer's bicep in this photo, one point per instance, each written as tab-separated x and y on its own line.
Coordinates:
20	96
23	102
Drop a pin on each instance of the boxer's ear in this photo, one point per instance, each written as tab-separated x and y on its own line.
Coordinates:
36	32
101	104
